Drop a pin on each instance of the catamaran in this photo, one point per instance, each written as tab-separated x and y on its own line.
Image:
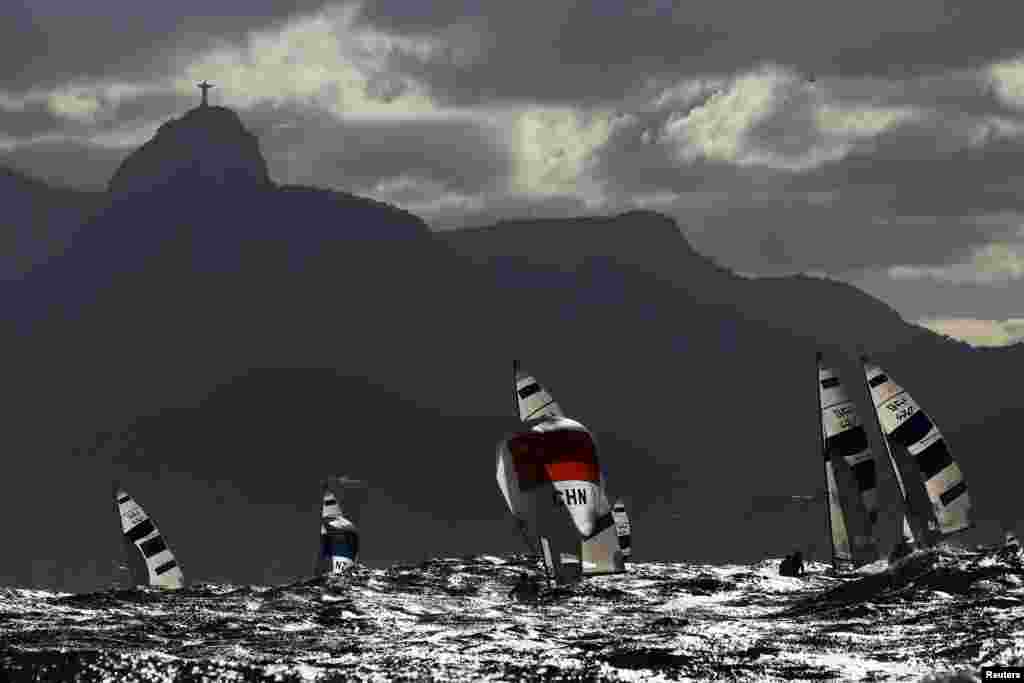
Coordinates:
149	560
339	535
554	487
934	494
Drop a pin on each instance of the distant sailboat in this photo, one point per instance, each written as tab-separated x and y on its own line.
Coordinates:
934	490
623	529
851	479
150	561
339	535
553	485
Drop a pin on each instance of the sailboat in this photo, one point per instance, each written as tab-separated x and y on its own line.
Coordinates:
150	561
622	529
339	535
934	491
932	487
553	485
851	479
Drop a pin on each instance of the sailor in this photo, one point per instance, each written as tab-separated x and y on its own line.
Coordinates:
798	563
1011	551
793	565
525	590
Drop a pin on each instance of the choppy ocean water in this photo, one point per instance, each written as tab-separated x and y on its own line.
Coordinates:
941	615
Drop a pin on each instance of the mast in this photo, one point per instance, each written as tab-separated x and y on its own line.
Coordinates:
908	532
545	553
821	447
318	562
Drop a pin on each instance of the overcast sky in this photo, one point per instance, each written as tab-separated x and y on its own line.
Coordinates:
877	142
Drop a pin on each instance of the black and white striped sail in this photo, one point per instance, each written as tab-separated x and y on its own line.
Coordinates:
154	564
339	533
908	427
850	474
534	401
553	485
622	528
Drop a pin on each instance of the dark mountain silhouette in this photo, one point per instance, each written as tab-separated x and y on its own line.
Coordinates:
37	220
207	146
254	337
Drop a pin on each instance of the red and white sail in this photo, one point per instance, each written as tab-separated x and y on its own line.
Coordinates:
155	564
907	426
850	473
552	483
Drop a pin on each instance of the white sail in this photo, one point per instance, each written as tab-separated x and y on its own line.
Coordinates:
906	425
339	534
850	473
622	528
139	530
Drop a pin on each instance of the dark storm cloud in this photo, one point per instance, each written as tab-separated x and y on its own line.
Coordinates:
144	109
791	233
568	51
921	192
49	42
31	119
302	146
635	160
66	163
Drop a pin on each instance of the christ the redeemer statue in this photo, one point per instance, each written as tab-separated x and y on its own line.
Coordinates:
204	86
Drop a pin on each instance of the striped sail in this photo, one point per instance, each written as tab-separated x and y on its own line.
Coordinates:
551	470
139	530
850	473
533	400
622	528
906	425
339	535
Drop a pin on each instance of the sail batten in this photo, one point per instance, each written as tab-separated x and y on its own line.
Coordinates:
907	426
150	560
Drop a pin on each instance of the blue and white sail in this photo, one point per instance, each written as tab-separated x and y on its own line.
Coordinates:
928	462
851	475
339	533
553	485
152	563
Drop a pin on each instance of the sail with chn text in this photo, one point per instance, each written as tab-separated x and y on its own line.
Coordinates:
851	476
339	533
150	561
553	485
921	460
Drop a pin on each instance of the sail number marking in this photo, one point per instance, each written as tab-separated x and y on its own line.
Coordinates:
846	415
901	408
571	497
